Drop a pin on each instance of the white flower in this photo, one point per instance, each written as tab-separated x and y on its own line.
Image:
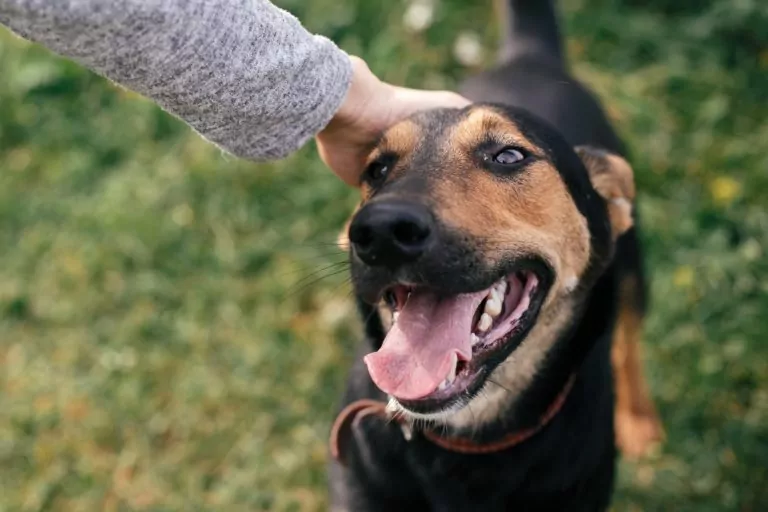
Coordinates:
419	15
468	50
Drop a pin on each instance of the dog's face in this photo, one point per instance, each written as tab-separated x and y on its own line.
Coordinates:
479	236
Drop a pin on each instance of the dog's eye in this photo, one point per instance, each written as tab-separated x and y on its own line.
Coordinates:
376	173
509	156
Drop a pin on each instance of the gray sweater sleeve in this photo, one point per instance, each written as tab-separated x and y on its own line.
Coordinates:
243	73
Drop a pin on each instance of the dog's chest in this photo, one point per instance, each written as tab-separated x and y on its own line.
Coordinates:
468	483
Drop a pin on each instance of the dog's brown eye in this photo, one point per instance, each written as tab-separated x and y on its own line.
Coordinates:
509	156
377	172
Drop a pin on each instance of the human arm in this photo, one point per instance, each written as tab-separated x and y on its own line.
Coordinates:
243	73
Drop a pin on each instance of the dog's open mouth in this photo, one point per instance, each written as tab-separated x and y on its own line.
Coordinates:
443	347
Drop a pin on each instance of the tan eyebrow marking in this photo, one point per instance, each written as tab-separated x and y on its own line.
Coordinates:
483	123
401	140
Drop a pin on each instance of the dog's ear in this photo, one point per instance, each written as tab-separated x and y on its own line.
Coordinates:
613	179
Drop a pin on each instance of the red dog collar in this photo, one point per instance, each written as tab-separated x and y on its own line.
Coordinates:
352	414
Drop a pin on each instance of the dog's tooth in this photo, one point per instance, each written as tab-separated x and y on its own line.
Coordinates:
443	385
395	315
499	290
452	374
484	323
493	307
475	339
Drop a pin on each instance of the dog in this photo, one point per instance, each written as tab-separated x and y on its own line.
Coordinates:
498	272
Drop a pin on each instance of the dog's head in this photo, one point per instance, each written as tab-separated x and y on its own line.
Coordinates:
479	236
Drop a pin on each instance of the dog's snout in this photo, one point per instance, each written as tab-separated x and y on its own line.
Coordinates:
391	233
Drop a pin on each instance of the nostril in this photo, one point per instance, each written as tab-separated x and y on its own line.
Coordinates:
410	233
361	235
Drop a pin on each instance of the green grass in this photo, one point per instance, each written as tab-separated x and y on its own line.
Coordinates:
159	351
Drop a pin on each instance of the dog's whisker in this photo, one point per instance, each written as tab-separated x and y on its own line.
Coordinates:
319	251
324	243
292	293
288	273
345	282
499	385
313	273
315	260
474	417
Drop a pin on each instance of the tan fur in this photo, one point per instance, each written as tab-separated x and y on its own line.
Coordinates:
479	124
613	179
542	224
638	427
342	240
532	213
401	140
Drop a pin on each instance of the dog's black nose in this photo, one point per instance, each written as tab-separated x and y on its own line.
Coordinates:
391	233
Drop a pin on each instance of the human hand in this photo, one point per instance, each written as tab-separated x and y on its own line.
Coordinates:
370	107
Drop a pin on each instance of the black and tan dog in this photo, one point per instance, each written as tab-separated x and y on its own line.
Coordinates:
498	272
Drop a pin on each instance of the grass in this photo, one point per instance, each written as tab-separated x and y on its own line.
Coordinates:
163	344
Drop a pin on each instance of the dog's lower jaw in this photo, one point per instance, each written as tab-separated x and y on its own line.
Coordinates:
416	419
508	382
514	376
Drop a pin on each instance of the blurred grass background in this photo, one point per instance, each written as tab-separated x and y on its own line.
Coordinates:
163	345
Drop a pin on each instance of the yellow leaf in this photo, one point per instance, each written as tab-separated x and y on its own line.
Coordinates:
683	277
724	190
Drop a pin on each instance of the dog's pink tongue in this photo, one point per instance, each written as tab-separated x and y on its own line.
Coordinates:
418	352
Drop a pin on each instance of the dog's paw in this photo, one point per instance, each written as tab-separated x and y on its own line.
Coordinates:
638	434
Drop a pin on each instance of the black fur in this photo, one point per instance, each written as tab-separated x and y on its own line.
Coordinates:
569	465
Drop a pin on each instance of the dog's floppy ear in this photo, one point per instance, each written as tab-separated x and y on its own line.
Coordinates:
613	179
